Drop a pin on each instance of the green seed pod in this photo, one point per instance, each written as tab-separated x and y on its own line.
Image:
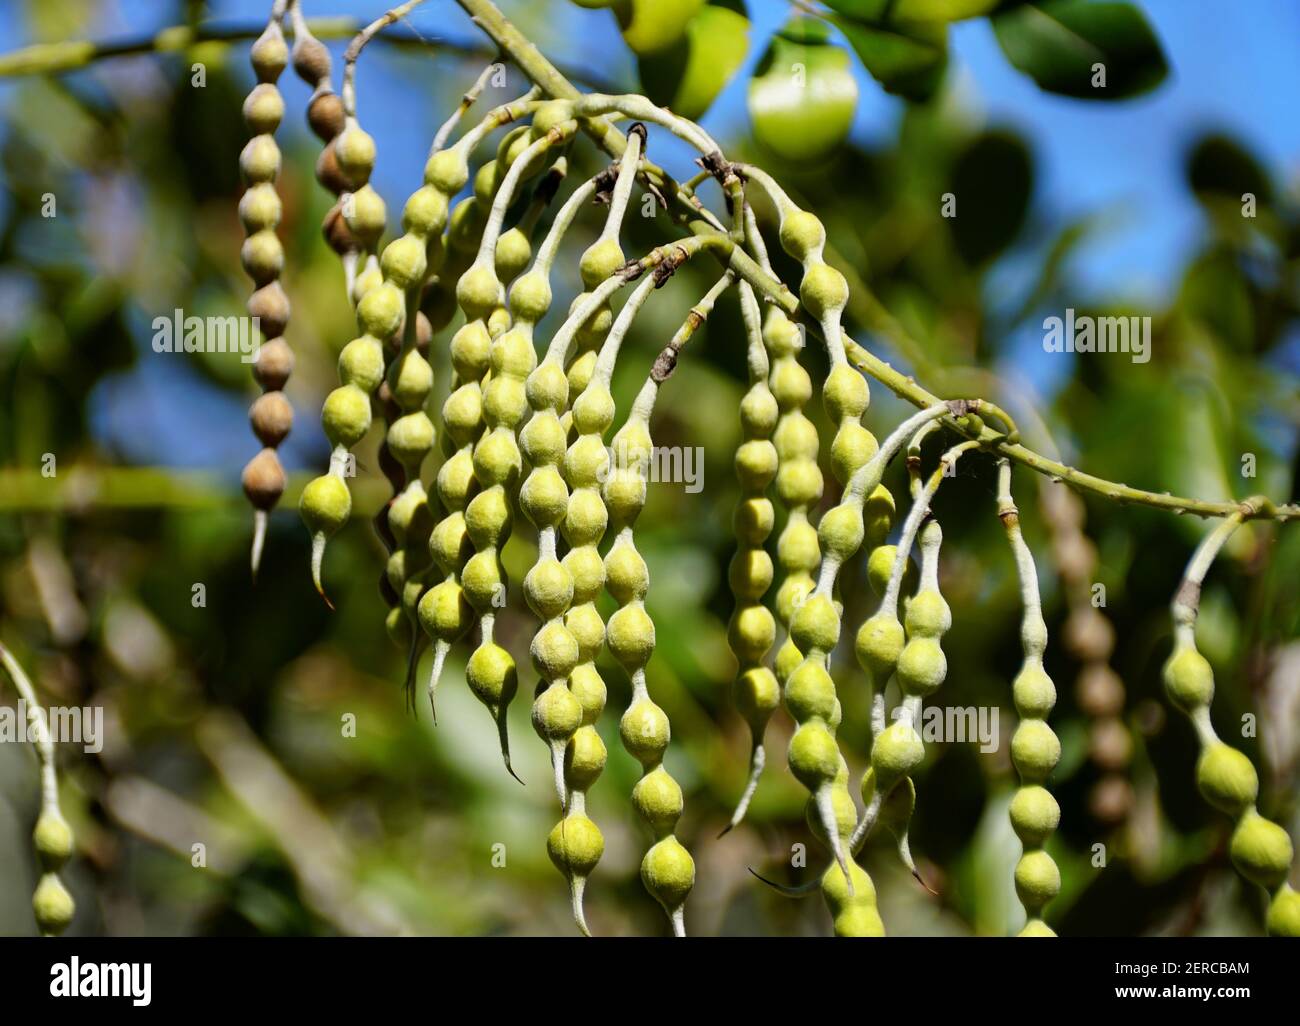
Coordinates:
922	667
554	651
853	912
346	416
668	872
355	151
1189	680
53	905
630	636
600	260
1261	850
410	438
1227	779
751	632
260	208
53	839
584	758
1033	692
803	236
814	756
404	262
1035	815
366	216
444	613
896	753
425	213
878	646
658	800
823	290
810	692
512	254
1038	880
380	310
556	714
1035	750
1284	913
491	675
644	731
325	504
575	845
447	171
361	363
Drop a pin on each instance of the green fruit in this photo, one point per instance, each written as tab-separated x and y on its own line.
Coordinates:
53	839
803	96
650	26
688	78
1227	779
1189	680
575	845
53	905
1261	850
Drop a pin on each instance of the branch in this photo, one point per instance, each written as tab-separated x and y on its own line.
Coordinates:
74	55
534	64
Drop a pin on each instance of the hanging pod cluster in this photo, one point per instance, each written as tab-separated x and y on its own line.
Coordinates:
519	434
262	255
1035	749
52	836
1260	849
1090	638
752	630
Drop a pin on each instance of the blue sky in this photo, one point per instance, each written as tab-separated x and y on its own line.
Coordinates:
1234	69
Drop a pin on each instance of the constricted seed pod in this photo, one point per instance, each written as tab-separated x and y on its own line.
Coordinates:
1035	749
1261	850
262	257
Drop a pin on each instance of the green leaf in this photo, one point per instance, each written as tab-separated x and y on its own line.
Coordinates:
653	26
1071	46
688	78
1219	166
906	58
991	181
803	95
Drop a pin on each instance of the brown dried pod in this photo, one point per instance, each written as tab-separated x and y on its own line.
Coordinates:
325	115
270	306
311	60
1088	634
1076	556
423	333
1111	799
337	233
1099	690
1109	744
264	480
273	365
271	416
328	172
